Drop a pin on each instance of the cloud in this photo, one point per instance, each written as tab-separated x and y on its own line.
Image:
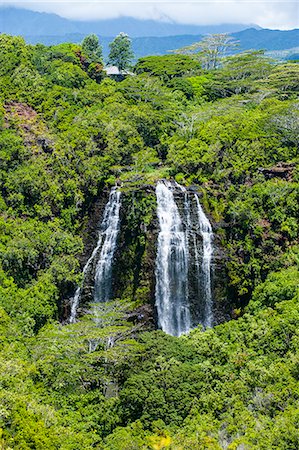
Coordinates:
280	14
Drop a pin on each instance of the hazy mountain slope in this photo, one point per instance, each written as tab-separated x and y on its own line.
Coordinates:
267	39
24	22
270	40
149	37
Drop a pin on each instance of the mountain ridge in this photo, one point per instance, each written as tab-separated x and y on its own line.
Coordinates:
269	40
148	37
22	21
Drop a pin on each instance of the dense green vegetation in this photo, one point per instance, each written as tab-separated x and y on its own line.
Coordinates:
68	132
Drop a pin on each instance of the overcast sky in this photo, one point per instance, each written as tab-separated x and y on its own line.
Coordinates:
280	14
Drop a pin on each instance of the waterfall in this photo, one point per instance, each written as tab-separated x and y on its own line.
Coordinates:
183	295
207	239
183	263
107	235
109	232
77	296
171	265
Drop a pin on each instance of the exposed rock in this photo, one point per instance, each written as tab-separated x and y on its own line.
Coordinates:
21	110
46	144
281	170
144	315
135	256
34	132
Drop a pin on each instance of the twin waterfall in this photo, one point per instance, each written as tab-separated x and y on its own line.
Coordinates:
183	293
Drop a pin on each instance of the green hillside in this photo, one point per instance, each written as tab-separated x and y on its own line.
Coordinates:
68	133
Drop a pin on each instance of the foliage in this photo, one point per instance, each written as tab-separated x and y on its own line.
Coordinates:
121	52
66	134
92	48
210	49
238	74
167	67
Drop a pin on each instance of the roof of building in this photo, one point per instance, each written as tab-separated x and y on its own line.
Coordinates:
113	70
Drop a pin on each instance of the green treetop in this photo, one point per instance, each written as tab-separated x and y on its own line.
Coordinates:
121	52
210	49
92	48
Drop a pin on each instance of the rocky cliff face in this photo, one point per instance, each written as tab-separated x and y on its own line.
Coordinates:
133	273
134	267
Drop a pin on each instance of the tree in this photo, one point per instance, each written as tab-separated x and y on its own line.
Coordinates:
12	52
121	52
92	58
167	67
91	46
239	74
210	50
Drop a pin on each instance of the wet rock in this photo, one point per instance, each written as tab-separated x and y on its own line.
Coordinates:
142	315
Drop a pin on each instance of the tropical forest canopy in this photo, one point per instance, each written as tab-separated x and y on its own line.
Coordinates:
69	132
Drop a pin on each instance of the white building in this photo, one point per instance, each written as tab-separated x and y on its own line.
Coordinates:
115	72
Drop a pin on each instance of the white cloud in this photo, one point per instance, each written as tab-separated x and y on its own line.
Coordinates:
269	14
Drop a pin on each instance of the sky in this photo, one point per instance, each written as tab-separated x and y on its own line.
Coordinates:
281	14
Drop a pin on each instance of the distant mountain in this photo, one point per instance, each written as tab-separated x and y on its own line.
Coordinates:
140	28
267	39
142	46
30	23
148	37
24	22
290	54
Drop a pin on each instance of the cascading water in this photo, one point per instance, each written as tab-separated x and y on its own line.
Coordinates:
77	296
109	231
207	240
171	266
183	264
108	236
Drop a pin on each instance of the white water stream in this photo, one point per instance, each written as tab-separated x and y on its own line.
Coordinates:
177	244
107	242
